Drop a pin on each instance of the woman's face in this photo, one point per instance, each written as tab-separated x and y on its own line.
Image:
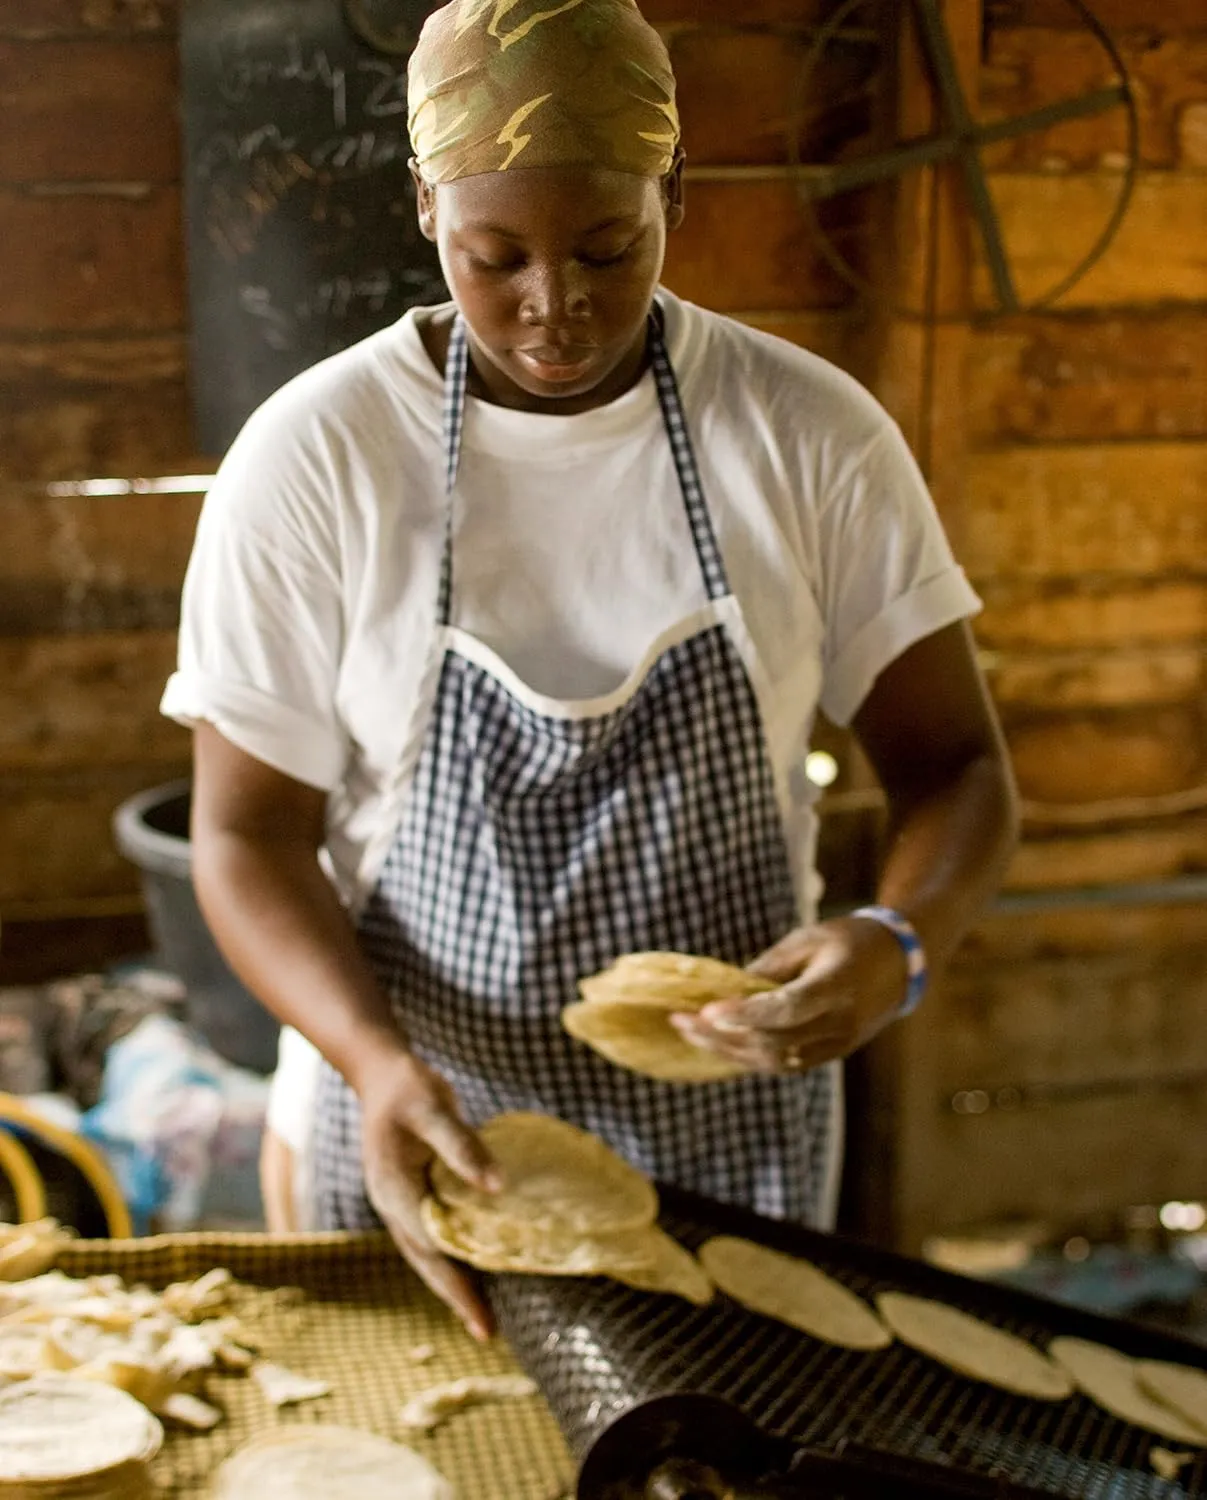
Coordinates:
553	270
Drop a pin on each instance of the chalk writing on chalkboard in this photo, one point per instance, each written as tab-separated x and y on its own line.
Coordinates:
300	212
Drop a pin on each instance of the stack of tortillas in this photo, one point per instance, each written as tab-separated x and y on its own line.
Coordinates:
63	1439
569	1206
625	1012
319	1462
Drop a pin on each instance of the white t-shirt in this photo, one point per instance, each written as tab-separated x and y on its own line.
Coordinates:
310	600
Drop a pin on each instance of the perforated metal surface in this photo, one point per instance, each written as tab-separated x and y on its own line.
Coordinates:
597	1348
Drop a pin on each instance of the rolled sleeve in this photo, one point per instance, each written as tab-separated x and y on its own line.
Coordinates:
261	613
908	619
276	733
889	576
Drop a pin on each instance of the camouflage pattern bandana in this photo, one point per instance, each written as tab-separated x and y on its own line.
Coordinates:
497	85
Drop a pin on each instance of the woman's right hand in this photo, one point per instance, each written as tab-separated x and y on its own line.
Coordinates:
409	1116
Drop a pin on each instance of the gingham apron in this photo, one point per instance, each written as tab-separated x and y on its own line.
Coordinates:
539	841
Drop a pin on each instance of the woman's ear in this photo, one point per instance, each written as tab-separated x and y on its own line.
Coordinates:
425	201
673	192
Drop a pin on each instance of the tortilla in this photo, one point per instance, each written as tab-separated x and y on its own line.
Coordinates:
494	1243
671	981
644	1258
317	1462
624	1013
672	1271
1180	1386
1112	1379
555	1176
641	1038
107	1429
792	1291
973	1348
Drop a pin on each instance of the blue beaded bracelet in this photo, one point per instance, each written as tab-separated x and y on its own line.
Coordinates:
915	954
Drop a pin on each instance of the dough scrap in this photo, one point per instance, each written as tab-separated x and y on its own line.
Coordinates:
286	1387
426	1411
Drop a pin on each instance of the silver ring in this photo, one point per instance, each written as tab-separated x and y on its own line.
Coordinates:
794	1059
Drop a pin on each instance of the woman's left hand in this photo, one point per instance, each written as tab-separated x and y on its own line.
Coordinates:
840	983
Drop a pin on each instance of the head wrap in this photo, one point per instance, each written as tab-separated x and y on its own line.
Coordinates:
496	85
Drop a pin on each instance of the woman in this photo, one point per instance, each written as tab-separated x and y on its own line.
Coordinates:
504	635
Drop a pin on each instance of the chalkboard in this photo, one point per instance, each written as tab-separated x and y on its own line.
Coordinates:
299	208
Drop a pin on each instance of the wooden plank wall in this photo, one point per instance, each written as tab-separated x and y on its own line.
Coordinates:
1060	1074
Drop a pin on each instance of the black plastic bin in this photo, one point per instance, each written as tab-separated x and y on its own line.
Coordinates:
152	830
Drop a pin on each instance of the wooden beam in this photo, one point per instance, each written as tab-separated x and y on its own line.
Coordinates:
1119	856
1158	931
1029	67
82	261
1118	508
739	91
1091	613
759	227
37	20
722	12
917	368
1050	224
1089	377
91	408
56	838
1115	15
89	111
34	950
1126	755
1103	678
93	563
85	701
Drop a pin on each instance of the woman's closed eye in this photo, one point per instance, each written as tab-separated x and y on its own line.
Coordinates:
601	262
488	263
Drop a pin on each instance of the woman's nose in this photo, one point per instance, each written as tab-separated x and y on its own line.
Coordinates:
556	294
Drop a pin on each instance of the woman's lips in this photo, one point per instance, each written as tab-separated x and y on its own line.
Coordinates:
559	366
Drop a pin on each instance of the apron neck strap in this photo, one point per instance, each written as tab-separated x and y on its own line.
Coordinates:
674	420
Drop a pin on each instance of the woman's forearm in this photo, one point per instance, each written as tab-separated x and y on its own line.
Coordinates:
947	853
283	930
